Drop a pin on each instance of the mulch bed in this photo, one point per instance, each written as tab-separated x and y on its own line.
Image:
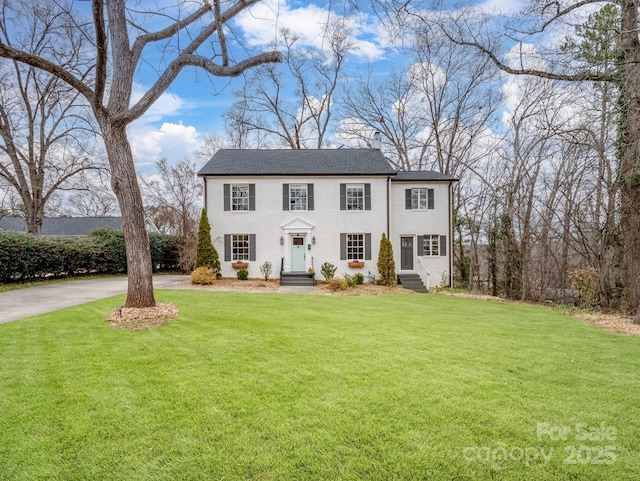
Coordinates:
143	318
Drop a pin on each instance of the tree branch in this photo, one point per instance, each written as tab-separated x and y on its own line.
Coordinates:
143	40
44	64
184	60
101	53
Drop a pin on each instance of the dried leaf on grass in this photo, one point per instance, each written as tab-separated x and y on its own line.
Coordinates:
142	318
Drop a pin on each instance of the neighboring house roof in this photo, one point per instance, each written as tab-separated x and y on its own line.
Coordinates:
422	175
67	226
297	162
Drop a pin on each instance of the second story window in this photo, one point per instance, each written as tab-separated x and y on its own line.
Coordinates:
355	196
240	197
419	199
298	197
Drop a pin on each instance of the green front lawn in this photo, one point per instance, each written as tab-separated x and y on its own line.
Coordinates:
287	387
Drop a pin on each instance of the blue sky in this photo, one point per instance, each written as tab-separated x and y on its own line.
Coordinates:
176	125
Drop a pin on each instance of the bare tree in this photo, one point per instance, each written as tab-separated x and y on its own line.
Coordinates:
479	32
172	199
189	38
92	196
298	116
45	125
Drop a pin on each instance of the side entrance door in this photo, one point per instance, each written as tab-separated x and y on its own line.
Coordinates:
298	253
406	253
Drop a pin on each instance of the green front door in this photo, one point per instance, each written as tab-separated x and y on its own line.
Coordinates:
298	253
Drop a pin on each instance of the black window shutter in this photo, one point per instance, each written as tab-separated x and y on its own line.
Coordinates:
343	196
367	247
252	247
407	198
420	245
227	196
367	196
227	247
252	196
309	196
443	245
285	196
343	247
430	198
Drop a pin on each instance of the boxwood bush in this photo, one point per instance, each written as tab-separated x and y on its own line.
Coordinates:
26	257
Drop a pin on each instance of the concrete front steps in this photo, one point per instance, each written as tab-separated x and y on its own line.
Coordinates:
413	282
297	279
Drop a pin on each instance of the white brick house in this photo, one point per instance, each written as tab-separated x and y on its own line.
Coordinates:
301	208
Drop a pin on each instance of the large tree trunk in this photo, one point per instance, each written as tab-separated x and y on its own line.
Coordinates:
630	159
125	186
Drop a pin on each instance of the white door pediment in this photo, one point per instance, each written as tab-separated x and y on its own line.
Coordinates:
297	224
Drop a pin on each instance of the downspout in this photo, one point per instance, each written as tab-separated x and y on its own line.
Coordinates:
204	178
450	234
388	207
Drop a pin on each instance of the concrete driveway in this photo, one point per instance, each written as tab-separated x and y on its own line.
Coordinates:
34	301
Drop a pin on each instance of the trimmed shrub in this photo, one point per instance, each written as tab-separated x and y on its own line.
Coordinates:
243	274
358	278
206	253
26	257
335	284
203	276
328	270
386	263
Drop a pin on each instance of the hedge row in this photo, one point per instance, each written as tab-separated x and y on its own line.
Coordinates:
25	257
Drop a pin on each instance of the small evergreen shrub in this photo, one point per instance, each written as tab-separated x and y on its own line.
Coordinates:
358	279
334	284
350	281
328	270
206	253
243	274
386	263
203	276
266	270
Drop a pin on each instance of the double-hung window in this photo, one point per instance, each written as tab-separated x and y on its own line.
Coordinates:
240	197
239	247
355	196
431	246
419	199
297	196
355	247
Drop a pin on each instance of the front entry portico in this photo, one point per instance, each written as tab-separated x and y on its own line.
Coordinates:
296	240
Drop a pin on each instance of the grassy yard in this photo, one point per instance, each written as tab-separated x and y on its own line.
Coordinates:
286	387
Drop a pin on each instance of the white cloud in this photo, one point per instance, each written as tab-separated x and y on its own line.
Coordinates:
261	24
171	141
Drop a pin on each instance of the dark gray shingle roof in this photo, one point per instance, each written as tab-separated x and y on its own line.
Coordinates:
61	226
422	175
297	162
